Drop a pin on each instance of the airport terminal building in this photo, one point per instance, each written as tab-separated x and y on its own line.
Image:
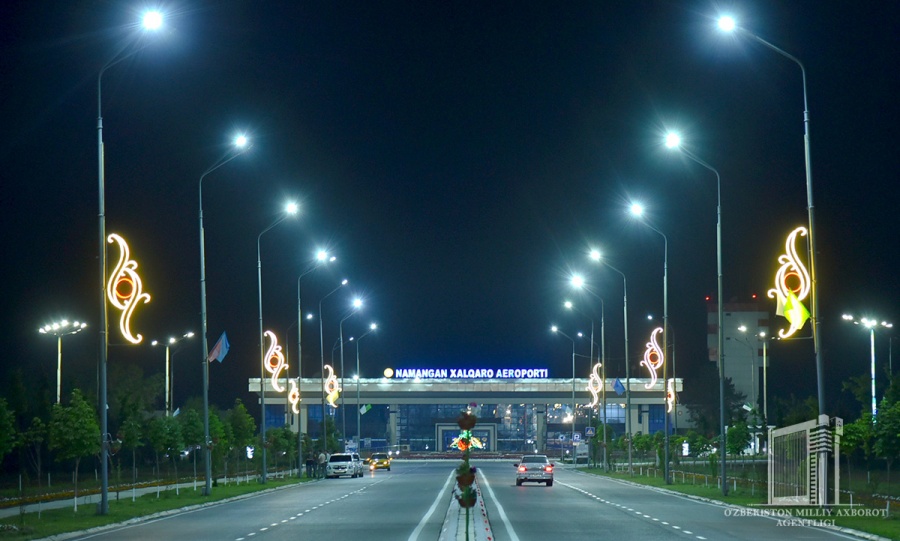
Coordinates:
517	410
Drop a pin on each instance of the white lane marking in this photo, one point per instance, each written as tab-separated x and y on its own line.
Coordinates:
414	536
503	517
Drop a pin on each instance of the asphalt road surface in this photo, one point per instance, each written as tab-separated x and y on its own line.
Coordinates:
410	501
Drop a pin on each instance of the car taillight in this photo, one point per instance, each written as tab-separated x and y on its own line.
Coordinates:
522	468
548	469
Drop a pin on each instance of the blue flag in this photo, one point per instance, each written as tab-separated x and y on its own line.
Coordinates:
220	350
618	387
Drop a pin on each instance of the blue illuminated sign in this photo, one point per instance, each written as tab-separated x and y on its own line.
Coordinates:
470	373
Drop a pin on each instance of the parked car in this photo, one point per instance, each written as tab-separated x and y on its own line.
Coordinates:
358	461
379	461
340	464
537	468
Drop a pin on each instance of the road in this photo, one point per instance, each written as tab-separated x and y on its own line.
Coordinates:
410	502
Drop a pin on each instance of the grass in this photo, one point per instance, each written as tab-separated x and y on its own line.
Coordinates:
57	521
888	527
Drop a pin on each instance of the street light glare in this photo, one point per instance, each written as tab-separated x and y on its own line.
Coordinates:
357	303
373	326
568	304
727	23
241	141
637	209
322	255
292	208
673	140
554	328
594	254
153	20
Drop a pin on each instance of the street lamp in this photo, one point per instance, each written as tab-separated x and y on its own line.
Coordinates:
322	257
570	306
595	255
673	141
152	20
240	145
60	329
555	329
322	355
728	24
870	324
637	210
290	209
356	305
372	328
169	379
602	355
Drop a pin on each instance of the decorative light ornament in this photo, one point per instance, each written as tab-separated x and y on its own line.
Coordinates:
653	357
294	396
789	297
124	288
275	361
595	385
331	388
670	395
466	440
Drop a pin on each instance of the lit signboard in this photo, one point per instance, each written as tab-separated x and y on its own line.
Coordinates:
467	373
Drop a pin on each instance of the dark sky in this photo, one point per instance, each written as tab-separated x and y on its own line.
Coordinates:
459	158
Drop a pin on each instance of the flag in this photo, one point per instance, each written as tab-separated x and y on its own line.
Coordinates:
794	311
365	408
618	387
220	350
176	412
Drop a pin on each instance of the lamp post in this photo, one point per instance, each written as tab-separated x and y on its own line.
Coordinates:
152	20
241	144
322	355
372	328
870	324
570	306
555	329
60	329
579	282
169	383
595	255
753	352
728	24
321	258
357	304
289	210
765	341
638	211
673	141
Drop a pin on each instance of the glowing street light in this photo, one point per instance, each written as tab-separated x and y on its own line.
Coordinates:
170	343
322	355
871	325
637	210
729	24
239	146
290	209
372	328
595	255
673	141
151	22
356	305
556	330
602	357
60	329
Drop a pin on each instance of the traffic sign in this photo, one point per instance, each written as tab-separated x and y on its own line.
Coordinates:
576	436
562	437
590	431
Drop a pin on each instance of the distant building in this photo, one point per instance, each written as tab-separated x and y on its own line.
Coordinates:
742	349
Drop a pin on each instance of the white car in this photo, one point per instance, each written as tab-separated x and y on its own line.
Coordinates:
340	464
537	468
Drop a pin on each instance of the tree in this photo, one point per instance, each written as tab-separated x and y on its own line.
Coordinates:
738	438
243	427
32	442
887	435
74	432
7	429
192	432
130	434
164	434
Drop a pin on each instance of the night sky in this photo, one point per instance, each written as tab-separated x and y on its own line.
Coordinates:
459	159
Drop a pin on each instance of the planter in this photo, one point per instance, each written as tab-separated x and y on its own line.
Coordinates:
467	499
465	479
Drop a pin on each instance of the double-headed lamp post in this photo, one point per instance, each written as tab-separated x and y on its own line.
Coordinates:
372	328
596	256
355	306
637	210
290	209
870	324
60	329
152	21
673	141
556	330
240	144
170	343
